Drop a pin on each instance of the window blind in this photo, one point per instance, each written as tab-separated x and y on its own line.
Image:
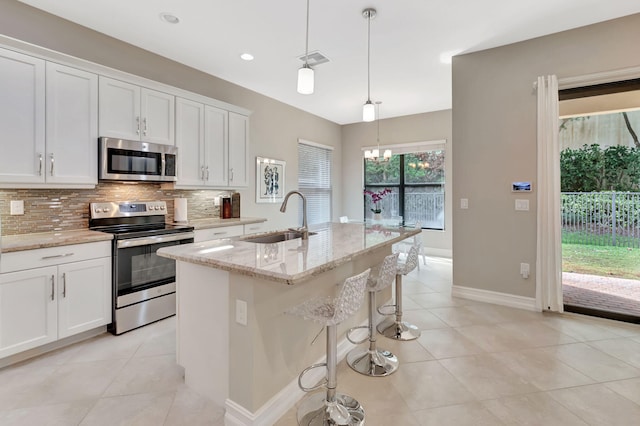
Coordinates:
314	181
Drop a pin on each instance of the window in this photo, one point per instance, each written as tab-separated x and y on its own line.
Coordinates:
314	180
415	176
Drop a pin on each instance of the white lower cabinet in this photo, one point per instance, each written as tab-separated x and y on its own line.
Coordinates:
39	305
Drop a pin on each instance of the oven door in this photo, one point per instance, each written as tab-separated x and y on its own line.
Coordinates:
138	270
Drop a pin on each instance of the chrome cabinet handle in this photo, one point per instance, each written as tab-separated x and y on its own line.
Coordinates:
52	162
207	168
138	125
64	284
40	166
202	173
53	283
145	126
57	255
231	174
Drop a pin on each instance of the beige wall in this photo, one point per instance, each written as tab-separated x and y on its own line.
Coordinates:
412	128
494	128
275	127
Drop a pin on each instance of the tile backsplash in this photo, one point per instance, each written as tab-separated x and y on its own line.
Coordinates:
47	210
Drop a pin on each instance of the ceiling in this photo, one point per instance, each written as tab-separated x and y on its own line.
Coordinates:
408	38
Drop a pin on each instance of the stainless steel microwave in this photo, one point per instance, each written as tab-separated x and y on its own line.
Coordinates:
136	161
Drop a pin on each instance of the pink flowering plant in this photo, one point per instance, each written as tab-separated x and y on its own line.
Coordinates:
376	197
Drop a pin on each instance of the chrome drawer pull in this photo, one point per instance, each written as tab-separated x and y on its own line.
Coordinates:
53	283
57	256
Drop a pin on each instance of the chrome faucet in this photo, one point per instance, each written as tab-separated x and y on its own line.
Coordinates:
304	230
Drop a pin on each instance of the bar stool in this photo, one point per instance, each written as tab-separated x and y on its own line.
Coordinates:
331	408
373	361
398	329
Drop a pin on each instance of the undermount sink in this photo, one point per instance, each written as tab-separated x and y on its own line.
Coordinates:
275	237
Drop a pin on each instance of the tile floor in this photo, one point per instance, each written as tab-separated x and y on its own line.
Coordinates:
475	364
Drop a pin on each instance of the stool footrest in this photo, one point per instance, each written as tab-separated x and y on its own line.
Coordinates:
352	329
381	310
305	371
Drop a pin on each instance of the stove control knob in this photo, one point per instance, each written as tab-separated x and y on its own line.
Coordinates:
97	210
161	207
105	210
155	208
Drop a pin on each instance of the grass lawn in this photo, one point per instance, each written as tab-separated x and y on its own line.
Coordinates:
605	261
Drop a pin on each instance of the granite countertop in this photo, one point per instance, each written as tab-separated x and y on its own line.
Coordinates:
217	222
21	242
293	261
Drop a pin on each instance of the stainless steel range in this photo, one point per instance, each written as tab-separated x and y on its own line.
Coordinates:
143	283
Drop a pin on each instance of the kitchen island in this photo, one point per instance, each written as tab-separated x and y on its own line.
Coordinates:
234	339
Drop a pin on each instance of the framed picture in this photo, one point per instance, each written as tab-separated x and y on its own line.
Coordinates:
521	187
269	180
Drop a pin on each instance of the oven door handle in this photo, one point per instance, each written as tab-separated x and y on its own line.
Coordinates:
145	241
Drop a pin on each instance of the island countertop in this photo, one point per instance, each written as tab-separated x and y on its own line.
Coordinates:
292	261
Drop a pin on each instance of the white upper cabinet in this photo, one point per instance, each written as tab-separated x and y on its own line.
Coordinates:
48	116
22	114
238	149
71	126
203	139
215	146
128	111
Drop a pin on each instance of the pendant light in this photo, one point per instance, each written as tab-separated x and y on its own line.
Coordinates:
368	110
305	74
374	154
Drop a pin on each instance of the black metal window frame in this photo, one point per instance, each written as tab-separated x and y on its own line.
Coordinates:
401	189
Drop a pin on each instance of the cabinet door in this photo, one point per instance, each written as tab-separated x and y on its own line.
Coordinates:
215	146
71	125
22	85
158	119
238	144
28	309
189	140
84	296
119	109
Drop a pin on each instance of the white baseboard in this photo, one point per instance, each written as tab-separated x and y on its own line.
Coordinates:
40	350
430	251
504	299
283	401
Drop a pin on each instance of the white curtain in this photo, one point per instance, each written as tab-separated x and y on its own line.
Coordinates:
549	248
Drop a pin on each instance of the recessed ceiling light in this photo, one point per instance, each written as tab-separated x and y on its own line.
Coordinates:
247	56
169	18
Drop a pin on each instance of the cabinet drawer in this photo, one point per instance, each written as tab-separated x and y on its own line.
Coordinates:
253	228
37	258
216	233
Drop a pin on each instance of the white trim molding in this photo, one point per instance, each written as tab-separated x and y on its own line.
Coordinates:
487	296
599	78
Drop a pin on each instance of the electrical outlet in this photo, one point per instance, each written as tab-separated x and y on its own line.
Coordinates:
216	201
241	312
17	207
522	205
464	203
524	270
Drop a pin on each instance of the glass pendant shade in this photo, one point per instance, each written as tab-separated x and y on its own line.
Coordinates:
305	80
387	154
368	112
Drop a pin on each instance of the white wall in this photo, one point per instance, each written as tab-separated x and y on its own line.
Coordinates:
494	128
411	128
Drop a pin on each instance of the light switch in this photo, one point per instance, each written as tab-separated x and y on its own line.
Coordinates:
241	312
522	205
464	203
17	207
